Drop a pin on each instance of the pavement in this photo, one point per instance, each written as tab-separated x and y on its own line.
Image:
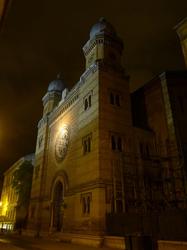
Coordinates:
17	242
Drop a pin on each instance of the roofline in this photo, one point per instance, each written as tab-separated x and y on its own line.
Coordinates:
23	158
165	74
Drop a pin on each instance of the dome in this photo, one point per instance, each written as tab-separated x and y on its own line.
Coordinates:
102	27
57	85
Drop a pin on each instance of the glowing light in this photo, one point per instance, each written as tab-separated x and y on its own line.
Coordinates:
0	203
63	130
4	207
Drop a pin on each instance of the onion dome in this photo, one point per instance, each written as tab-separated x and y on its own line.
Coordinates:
102	27
57	85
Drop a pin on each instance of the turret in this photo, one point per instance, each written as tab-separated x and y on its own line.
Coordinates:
104	44
53	95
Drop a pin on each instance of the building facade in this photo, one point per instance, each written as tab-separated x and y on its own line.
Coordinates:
9	197
80	140
160	106
101	150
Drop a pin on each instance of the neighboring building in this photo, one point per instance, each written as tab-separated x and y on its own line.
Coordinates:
181	29
9	197
160	106
97	154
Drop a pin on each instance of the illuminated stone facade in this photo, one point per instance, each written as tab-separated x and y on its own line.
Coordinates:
79	165
96	154
9	197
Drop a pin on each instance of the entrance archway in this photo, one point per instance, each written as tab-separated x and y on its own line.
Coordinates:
57	206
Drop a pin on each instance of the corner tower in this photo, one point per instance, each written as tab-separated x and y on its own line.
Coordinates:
103	53
53	95
104	44
51	100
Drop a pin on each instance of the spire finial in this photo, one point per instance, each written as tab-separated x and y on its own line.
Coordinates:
102	19
59	76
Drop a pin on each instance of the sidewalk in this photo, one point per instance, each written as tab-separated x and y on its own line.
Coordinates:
17	242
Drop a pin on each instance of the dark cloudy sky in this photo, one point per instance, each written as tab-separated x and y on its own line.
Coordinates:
43	37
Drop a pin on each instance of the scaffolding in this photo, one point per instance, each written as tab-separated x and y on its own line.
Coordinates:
152	183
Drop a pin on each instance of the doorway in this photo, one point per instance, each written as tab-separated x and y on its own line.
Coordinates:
57	206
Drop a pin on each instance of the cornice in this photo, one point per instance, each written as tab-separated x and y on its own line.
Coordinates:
51	95
73	94
103	39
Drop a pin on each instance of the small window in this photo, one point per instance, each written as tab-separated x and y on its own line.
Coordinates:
115	99
85	104
87	101
86	202
84	205
111	98
116	142
119	144
86	142
89	144
113	142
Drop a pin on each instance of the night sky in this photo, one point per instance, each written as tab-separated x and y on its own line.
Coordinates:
43	37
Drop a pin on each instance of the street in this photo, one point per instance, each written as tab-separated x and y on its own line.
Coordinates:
15	242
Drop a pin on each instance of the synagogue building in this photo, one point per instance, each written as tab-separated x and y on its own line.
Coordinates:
103	151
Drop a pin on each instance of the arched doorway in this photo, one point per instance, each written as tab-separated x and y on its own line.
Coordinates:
57	206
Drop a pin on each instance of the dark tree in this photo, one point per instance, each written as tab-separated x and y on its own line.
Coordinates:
22	182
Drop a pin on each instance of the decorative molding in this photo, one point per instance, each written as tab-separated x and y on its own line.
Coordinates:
63	106
105	40
91	70
51	95
98	183
43	121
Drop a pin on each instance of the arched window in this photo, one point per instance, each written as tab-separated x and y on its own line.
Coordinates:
85	104
86	202
119	144
113	142
111	98
86	142
116	142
